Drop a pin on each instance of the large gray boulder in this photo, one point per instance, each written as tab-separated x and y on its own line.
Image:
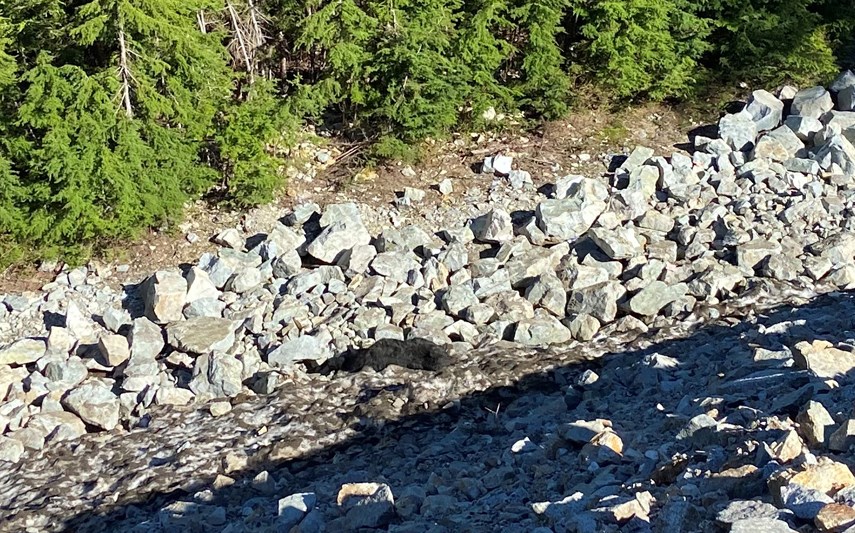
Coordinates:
569	218
216	375
738	130
342	230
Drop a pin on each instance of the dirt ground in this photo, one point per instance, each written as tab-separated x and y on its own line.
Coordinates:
582	143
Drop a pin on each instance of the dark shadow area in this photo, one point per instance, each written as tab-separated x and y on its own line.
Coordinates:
746	388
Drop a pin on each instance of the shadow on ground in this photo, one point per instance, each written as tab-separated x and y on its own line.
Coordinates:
463	449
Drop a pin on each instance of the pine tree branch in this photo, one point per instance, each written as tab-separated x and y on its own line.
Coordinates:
237	26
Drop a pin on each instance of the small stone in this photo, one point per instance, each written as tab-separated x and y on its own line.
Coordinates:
541	332
230	238
292	509
216	375
583	327
367	505
815	423
219	408
202	335
787	448
445	187
494	227
835	517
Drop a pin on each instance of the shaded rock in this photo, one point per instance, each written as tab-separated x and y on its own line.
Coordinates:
57	426
11	450
843	438
599	301
835	517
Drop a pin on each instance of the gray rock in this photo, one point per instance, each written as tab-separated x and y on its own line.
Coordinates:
310	279
815	423
738	130
445	187
457	298
164	294
843	438
837	150
79	324
765	110
11	450
746	509
115	319
821	358
57	426
114	349
338	236
846	99
583	327
493	227
599	301
812	102
287	265
395	265
805	128
751	254
95	403
292	509
761	525
844	80
541	331
199	285
571	217
22	352
230	238
302	348
804	502
357	259
619	243
65	374
655	296
145	339
59	341
205	307
639	156
548	292
201	335
367	505
216	375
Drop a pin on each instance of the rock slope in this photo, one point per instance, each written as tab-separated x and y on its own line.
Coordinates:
205	379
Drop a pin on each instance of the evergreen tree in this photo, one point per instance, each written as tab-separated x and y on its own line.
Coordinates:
637	47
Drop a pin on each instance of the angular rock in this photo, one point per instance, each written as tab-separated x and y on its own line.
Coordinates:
339	236
541	331
655	296
599	301
22	352
216	375
114	349
95	403
843	438
751	254
738	130
493	227
812	102
11	450
835	517
569	218
199	285
823	359
79	324
765	110
230	238
302	348
164	294
619	243
815	423
202	335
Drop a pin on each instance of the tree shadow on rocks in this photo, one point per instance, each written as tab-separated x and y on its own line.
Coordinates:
480	435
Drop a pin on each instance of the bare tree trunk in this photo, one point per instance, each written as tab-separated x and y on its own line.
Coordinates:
200	18
125	74
237	26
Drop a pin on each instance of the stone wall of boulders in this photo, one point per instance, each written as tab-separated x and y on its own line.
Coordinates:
657	239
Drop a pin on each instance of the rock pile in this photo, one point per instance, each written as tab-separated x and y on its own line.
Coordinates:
659	241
